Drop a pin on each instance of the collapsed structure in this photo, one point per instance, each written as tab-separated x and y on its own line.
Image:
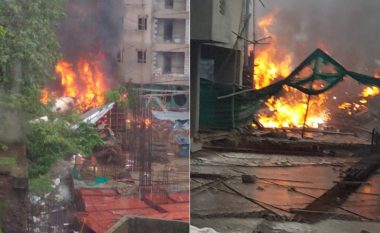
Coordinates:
316	75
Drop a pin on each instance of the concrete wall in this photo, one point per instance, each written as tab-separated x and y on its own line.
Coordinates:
148	225
210	24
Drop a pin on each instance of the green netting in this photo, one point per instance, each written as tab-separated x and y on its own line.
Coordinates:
217	113
317	60
238	110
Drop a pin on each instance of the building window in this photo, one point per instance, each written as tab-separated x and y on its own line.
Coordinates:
171	62
169	4
167	67
142	22
168	30
222	7
141	56
120	56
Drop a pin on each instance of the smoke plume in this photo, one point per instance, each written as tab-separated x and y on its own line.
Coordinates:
90	28
347	29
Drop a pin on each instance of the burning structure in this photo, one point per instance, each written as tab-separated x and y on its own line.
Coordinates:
292	106
276	140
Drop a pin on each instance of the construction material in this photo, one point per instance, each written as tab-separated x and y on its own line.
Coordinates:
335	196
248	179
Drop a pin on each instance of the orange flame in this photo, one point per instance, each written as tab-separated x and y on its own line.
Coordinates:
44	99
367	93
268	66
84	81
273	63
147	122
371	91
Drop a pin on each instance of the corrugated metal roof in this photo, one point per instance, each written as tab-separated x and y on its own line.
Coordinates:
104	207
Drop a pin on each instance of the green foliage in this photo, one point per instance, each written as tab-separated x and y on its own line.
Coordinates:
117	96
2	31
86	137
125	97
49	141
3	147
133	100
40	185
28	50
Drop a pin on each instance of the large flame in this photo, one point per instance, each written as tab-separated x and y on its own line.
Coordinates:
273	63
84	81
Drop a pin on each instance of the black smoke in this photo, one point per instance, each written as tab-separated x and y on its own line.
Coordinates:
90	28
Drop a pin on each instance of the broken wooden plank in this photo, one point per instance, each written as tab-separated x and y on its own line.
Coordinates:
337	195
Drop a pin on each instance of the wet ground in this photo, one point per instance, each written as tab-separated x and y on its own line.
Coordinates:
256	225
283	183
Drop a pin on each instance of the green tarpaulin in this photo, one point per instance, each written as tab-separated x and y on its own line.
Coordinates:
239	107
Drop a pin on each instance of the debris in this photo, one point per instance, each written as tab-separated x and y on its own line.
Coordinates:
194	229
260	188
57	181
110	152
59	198
35	219
210	176
34	199
248	179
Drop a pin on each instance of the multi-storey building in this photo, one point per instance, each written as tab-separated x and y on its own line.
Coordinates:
155	44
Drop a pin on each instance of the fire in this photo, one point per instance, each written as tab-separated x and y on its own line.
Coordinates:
353	107
44	96
273	63
147	122
367	93
291	112
84	81
268	69
370	91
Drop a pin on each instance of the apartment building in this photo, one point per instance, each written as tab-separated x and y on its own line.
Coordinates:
155	46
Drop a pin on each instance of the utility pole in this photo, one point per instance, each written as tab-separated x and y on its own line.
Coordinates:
255	42
254	39
246	32
244	35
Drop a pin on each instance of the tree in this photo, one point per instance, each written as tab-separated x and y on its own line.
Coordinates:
28	51
49	141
